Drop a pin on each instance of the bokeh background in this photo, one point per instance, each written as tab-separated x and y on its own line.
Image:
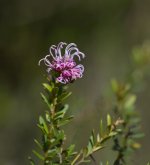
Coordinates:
106	31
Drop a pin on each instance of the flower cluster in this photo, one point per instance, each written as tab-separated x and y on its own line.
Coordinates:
64	63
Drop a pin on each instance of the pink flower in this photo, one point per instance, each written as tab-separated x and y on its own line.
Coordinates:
63	62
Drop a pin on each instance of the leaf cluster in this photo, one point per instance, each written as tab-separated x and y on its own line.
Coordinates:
125	142
97	141
53	136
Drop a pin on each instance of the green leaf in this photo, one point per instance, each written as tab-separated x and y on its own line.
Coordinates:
52	153
48	87
43	123
135	145
98	138
114	85
38	144
101	128
45	100
130	101
138	135
65	121
107	163
108	120
64	96
70	150
38	155
45	141
60	135
60	114
92	138
47	116
89	148
112	134
42	128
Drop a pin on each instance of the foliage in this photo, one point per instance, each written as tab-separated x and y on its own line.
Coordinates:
96	141
125	106
53	136
125	142
124	128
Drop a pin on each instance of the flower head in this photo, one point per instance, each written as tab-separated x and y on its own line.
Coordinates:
62	61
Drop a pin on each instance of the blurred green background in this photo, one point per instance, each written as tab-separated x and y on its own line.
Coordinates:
106	31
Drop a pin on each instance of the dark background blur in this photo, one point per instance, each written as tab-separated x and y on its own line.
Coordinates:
106	31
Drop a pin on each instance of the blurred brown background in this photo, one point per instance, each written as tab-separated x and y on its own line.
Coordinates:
106	31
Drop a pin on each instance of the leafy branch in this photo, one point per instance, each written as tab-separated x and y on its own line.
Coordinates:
125	105
53	136
125	142
124	129
96	141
